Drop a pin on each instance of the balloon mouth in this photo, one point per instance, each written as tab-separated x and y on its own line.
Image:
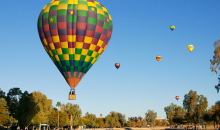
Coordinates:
73	82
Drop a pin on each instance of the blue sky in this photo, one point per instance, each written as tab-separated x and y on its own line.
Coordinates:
140	33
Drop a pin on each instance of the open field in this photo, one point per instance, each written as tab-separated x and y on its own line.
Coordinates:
151	128
209	127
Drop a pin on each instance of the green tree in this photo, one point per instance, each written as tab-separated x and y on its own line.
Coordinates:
80	123
216	61
165	123
139	123
21	106
2	94
100	121
207	117
213	114
13	97
127	124
144	123
74	112
45	107
121	119
190	104
129	121
109	120
63	119
26	109
53	120
150	117
112	118
87	122
117	124
201	109
175	114
58	105
4	113
133	123
90	119
179	117
158	123
96	125
216	58
195	106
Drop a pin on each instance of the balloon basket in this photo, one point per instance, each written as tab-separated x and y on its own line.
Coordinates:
72	96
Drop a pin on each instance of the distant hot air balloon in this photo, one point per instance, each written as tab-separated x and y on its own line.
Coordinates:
190	47
158	58
74	34
177	98
172	27
117	65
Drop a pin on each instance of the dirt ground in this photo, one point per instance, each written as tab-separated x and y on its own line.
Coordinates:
151	128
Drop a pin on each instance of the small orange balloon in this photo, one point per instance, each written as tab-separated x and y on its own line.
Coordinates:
177	98
117	65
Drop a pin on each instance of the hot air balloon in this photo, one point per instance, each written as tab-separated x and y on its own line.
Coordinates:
177	98
172	27
117	65
158	58
74	34
190	47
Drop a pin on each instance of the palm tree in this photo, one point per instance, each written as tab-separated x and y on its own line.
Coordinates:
58	105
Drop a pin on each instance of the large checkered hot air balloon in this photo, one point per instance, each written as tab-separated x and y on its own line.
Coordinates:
74	34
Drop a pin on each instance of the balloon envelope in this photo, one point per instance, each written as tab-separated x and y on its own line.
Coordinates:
74	34
172	27
190	47
158	58
117	65
177	98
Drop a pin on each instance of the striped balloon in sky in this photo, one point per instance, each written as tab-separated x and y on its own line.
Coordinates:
74	33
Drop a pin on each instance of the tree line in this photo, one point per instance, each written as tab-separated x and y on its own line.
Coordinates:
194	111
32	109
